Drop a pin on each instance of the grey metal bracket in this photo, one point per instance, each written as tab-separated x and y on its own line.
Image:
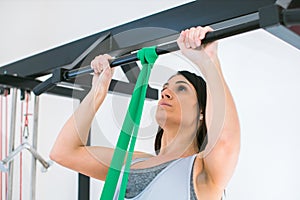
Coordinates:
19	149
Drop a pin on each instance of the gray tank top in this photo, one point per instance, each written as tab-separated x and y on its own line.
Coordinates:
171	180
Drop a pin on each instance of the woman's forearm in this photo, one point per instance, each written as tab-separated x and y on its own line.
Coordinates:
221	153
75	132
222	118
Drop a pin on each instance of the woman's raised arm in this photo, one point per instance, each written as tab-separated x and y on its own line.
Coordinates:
221	153
70	148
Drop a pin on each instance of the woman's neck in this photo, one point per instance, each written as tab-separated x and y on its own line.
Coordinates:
178	143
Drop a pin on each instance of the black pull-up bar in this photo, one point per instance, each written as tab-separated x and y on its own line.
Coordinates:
163	49
266	17
171	47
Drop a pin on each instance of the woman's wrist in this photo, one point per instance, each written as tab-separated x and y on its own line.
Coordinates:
95	98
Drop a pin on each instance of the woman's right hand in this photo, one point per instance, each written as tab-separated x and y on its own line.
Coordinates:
190	43
102	75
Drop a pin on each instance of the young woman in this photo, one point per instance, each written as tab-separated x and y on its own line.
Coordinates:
198	140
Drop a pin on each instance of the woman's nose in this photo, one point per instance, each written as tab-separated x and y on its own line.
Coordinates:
166	93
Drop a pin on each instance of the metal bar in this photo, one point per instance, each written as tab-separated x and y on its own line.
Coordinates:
167	48
34	146
12	142
131	71
83	180
11	156
36	155
283	3
29	83
294	4
195	13
291	17
285	34
9	159
123	88
115	87
40	64
271	19
87	69
1	140
242	27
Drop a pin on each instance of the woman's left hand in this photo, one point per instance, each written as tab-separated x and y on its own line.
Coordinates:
190	40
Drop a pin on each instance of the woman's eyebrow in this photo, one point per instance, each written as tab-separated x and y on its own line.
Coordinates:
181	82
177	82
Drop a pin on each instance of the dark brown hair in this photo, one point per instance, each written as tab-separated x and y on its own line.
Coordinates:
200	87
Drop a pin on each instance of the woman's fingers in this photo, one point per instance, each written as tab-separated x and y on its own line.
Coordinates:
192	38
204	31
197	38
180	40
192	34
100	63
102	72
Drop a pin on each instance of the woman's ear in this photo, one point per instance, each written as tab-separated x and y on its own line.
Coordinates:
201	117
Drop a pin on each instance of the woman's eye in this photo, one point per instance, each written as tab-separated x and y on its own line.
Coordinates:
181	88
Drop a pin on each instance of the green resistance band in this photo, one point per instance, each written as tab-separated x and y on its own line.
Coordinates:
130	128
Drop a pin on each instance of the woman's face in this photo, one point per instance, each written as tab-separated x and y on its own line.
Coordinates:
178	106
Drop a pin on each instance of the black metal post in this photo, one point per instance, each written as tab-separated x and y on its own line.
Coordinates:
83	180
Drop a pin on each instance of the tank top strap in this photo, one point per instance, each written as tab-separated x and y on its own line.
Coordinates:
134	161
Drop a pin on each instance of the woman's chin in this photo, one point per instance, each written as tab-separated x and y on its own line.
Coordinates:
161	121
161	118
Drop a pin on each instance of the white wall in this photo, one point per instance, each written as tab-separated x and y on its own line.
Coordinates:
261	70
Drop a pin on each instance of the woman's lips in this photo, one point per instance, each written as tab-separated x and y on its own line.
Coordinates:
164	104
